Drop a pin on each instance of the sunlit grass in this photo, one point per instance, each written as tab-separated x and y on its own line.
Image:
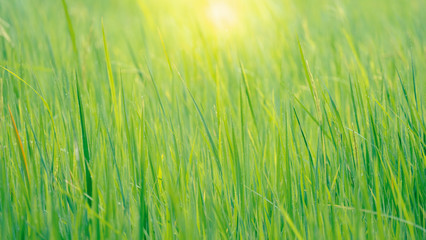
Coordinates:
212	119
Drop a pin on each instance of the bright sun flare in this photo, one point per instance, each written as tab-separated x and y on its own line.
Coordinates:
221	15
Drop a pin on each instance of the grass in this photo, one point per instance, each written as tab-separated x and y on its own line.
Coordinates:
154	119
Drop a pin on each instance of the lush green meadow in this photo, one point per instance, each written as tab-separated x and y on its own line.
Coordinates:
185	119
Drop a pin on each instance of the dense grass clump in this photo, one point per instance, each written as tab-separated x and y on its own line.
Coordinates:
187	119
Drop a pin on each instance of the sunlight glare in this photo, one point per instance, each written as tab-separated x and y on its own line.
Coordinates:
221	15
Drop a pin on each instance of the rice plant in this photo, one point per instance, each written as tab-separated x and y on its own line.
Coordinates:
238	119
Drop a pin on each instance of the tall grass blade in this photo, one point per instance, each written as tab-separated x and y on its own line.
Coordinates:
86	152
21	150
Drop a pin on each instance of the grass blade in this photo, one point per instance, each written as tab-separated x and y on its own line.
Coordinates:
21	150
86	153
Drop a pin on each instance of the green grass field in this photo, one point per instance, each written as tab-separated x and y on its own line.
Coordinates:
185	119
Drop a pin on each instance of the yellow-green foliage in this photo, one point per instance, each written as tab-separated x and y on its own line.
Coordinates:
186	119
